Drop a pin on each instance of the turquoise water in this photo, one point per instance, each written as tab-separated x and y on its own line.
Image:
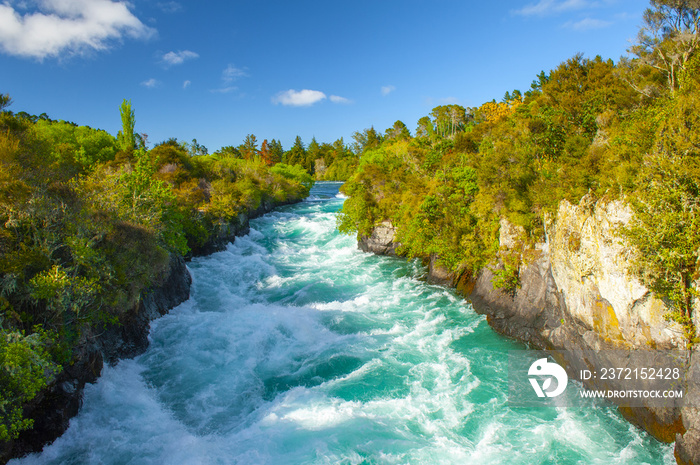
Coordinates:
296	348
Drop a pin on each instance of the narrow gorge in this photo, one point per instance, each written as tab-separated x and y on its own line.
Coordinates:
295	347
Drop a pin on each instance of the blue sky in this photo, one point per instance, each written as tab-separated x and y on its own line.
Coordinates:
216	70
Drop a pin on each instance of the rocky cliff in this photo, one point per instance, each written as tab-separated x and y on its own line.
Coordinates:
575	293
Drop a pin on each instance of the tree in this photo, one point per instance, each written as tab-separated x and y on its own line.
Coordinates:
367	139
5	101
297	154
669	38
229	151
537	84
425	127
126	138
196	149
27	116
314	148
276	151
249	147
340	149
516	96
141	141
398	131
666	225
449	119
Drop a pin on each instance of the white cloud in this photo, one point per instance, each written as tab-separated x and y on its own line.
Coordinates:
224	90
231	73
386	90
170	7
548	7
587	24
449	100
186	84
179	57
151	83
339	99
301	98
67	26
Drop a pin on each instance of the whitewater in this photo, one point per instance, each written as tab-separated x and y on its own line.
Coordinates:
297	348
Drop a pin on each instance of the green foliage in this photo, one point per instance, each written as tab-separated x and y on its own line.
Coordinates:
666	225
5	101
668	39
78	146
340	161
25	368
449	119
689	78
126	138
294	173
507	276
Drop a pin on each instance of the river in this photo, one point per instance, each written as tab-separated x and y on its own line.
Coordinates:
296	348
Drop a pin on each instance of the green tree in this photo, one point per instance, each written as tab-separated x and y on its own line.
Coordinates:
366	140
276	151
5	101
398	131
229	151
249	147
425	127
666	225
25	369
297	154
196	149
314	148
669	38
449	119
536	85
126	138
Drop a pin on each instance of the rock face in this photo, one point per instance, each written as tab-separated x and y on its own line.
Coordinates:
381	241
130	338
438	274
589	264
576	294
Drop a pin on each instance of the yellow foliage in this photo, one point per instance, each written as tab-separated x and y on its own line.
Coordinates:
492	112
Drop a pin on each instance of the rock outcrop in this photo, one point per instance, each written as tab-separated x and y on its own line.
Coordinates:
381	241
227	231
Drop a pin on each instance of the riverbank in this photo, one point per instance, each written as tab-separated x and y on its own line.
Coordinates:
53	408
